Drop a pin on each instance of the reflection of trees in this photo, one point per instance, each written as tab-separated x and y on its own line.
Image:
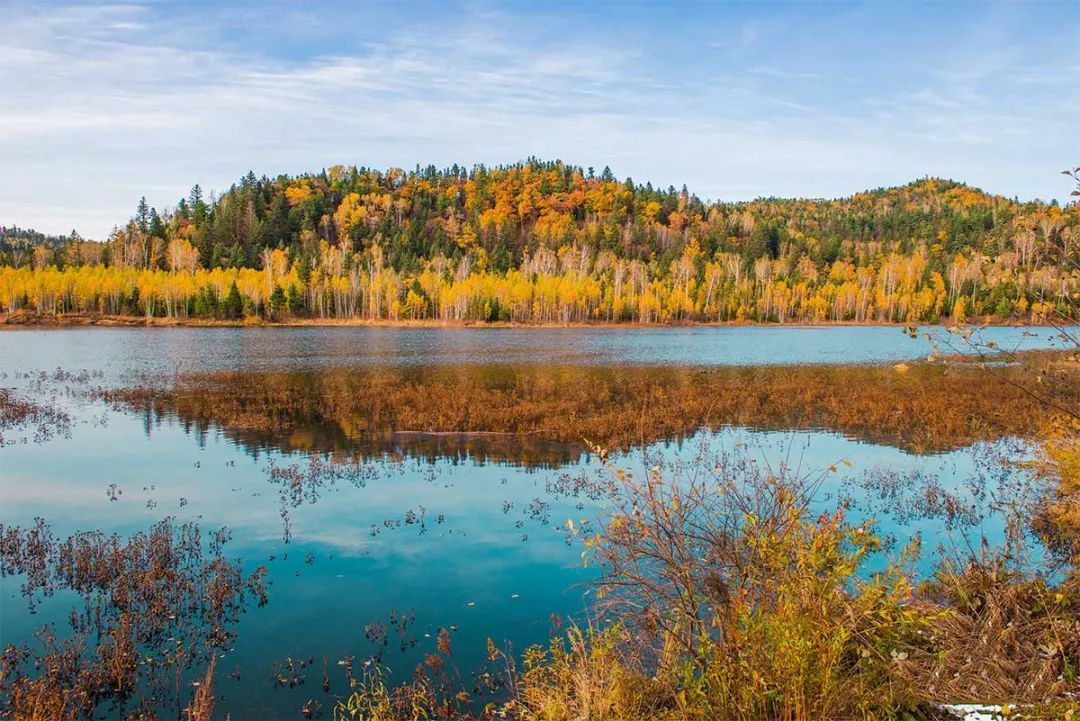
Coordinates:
535	415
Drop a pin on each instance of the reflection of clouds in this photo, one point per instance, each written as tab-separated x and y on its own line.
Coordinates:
19	488
354	578
476	537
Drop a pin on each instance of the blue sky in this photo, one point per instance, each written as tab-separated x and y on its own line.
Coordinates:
102	103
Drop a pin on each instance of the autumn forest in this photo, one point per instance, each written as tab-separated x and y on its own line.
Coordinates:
546	242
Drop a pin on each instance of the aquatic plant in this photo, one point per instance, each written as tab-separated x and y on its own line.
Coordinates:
43	419
535	415
722	594
152	607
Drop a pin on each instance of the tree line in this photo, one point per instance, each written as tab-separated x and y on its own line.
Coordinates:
549	242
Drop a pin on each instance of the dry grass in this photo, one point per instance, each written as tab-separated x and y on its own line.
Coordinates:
538	415
150	607
995	636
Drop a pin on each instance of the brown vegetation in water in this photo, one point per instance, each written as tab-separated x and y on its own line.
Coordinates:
724	596
41	419
727	597
539	415
152	607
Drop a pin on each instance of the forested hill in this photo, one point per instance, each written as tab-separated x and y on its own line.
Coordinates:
508	212
548	241
19	243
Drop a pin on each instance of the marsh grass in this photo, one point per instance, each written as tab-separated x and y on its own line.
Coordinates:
151	608
724	590
23	419
539	415
734	601
997	634
723	593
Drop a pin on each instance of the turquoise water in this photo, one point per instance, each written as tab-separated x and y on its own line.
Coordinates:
490	559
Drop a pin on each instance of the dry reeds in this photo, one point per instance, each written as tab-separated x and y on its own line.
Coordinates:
151	606
538	415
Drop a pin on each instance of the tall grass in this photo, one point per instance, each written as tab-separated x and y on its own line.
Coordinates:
726	596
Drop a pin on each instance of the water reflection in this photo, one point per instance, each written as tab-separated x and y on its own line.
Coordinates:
167	350
397	505
544	416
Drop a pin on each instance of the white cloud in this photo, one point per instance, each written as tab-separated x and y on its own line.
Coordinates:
102	104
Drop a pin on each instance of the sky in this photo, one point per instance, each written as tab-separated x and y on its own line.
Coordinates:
103	103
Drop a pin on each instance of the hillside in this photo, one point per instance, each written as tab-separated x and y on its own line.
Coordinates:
548	242
17	244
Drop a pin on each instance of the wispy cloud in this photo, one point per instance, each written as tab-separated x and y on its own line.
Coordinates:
100	104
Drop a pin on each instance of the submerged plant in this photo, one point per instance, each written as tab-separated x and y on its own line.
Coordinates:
153	606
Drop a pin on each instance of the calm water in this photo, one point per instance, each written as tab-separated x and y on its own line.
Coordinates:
190	349
490	557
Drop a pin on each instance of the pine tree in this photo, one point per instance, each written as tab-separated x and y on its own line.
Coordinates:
278	302
156	227
234	303
197	205
295	299
142	216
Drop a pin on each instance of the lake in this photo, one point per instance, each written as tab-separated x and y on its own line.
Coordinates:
118	350
419	526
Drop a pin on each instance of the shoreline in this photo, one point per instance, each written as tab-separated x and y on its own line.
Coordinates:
88	320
